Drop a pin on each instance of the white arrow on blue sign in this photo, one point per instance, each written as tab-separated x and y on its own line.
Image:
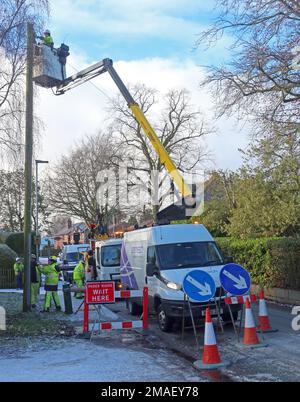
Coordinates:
235	279
199	286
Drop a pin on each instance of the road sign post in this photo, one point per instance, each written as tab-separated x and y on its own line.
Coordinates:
100	292
235	279
199	286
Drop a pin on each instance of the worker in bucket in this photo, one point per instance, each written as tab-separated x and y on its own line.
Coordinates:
78	276
51	272
47	39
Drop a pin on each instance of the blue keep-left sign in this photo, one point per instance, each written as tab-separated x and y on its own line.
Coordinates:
235	279
199	286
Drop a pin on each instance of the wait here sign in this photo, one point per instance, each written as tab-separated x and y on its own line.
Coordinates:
100	292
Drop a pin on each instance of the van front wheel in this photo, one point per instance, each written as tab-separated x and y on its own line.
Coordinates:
165	322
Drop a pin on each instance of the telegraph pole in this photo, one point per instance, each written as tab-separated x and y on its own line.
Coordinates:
28	168
37	247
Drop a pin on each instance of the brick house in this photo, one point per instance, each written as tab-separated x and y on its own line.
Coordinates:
69	235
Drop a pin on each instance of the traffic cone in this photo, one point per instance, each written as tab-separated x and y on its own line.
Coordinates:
210	358
250	335
263	318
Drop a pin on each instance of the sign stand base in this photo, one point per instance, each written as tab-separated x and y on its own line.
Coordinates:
199	365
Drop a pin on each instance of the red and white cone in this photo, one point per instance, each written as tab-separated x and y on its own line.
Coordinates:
250	335
263	317
210	358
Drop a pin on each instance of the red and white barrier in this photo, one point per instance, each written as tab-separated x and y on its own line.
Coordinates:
121	325
122	294
240	299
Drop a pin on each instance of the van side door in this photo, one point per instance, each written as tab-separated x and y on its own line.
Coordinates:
152	281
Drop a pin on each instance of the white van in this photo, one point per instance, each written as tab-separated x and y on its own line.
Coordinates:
108	255
71	255
161	257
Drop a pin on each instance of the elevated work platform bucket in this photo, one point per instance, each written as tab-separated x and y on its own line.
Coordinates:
48	71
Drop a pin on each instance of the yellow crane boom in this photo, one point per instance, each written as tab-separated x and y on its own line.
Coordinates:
106	65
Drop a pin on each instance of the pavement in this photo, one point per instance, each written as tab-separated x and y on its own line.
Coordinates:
151	355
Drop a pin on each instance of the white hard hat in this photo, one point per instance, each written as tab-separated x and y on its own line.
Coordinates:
47	31
18	259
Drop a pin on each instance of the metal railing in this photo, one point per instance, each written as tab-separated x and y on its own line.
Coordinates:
7	278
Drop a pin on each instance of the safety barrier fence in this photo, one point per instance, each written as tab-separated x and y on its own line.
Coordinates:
96	297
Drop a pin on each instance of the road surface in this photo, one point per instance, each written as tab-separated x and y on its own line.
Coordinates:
152	355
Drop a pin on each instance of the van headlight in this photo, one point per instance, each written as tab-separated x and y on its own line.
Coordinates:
173	286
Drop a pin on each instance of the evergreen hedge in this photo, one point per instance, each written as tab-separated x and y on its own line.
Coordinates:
16	242
7	260
272	262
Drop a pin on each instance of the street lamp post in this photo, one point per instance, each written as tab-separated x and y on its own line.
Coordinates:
37	206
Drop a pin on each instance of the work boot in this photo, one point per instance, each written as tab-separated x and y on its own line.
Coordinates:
46	310
33	305
58	308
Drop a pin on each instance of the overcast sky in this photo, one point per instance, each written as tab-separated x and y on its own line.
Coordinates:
151	42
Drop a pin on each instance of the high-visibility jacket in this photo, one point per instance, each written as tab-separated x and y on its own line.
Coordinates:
78	273
18	268
48	40
52	274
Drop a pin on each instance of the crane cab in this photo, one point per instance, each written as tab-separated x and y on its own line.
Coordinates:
49	68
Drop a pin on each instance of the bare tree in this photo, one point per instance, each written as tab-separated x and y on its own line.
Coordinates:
74	181
262	80
14	15
12	201
179	126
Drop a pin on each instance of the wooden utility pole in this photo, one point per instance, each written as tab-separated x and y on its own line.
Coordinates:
28	168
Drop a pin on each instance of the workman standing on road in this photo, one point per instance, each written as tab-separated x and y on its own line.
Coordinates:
19	270
52	272
90	267
35	280
78	276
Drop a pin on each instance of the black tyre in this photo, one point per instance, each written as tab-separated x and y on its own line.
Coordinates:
165	322
134	308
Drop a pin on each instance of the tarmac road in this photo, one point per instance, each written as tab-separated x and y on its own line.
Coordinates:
279	360
170	352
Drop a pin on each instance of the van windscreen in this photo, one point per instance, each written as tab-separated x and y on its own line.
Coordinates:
187	255
74	257
110	255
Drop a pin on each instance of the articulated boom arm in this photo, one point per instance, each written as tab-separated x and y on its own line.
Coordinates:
106	65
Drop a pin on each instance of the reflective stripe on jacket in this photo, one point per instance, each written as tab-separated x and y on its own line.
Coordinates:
52	273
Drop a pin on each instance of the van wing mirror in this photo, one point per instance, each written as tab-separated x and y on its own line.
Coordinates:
151	269
228	260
